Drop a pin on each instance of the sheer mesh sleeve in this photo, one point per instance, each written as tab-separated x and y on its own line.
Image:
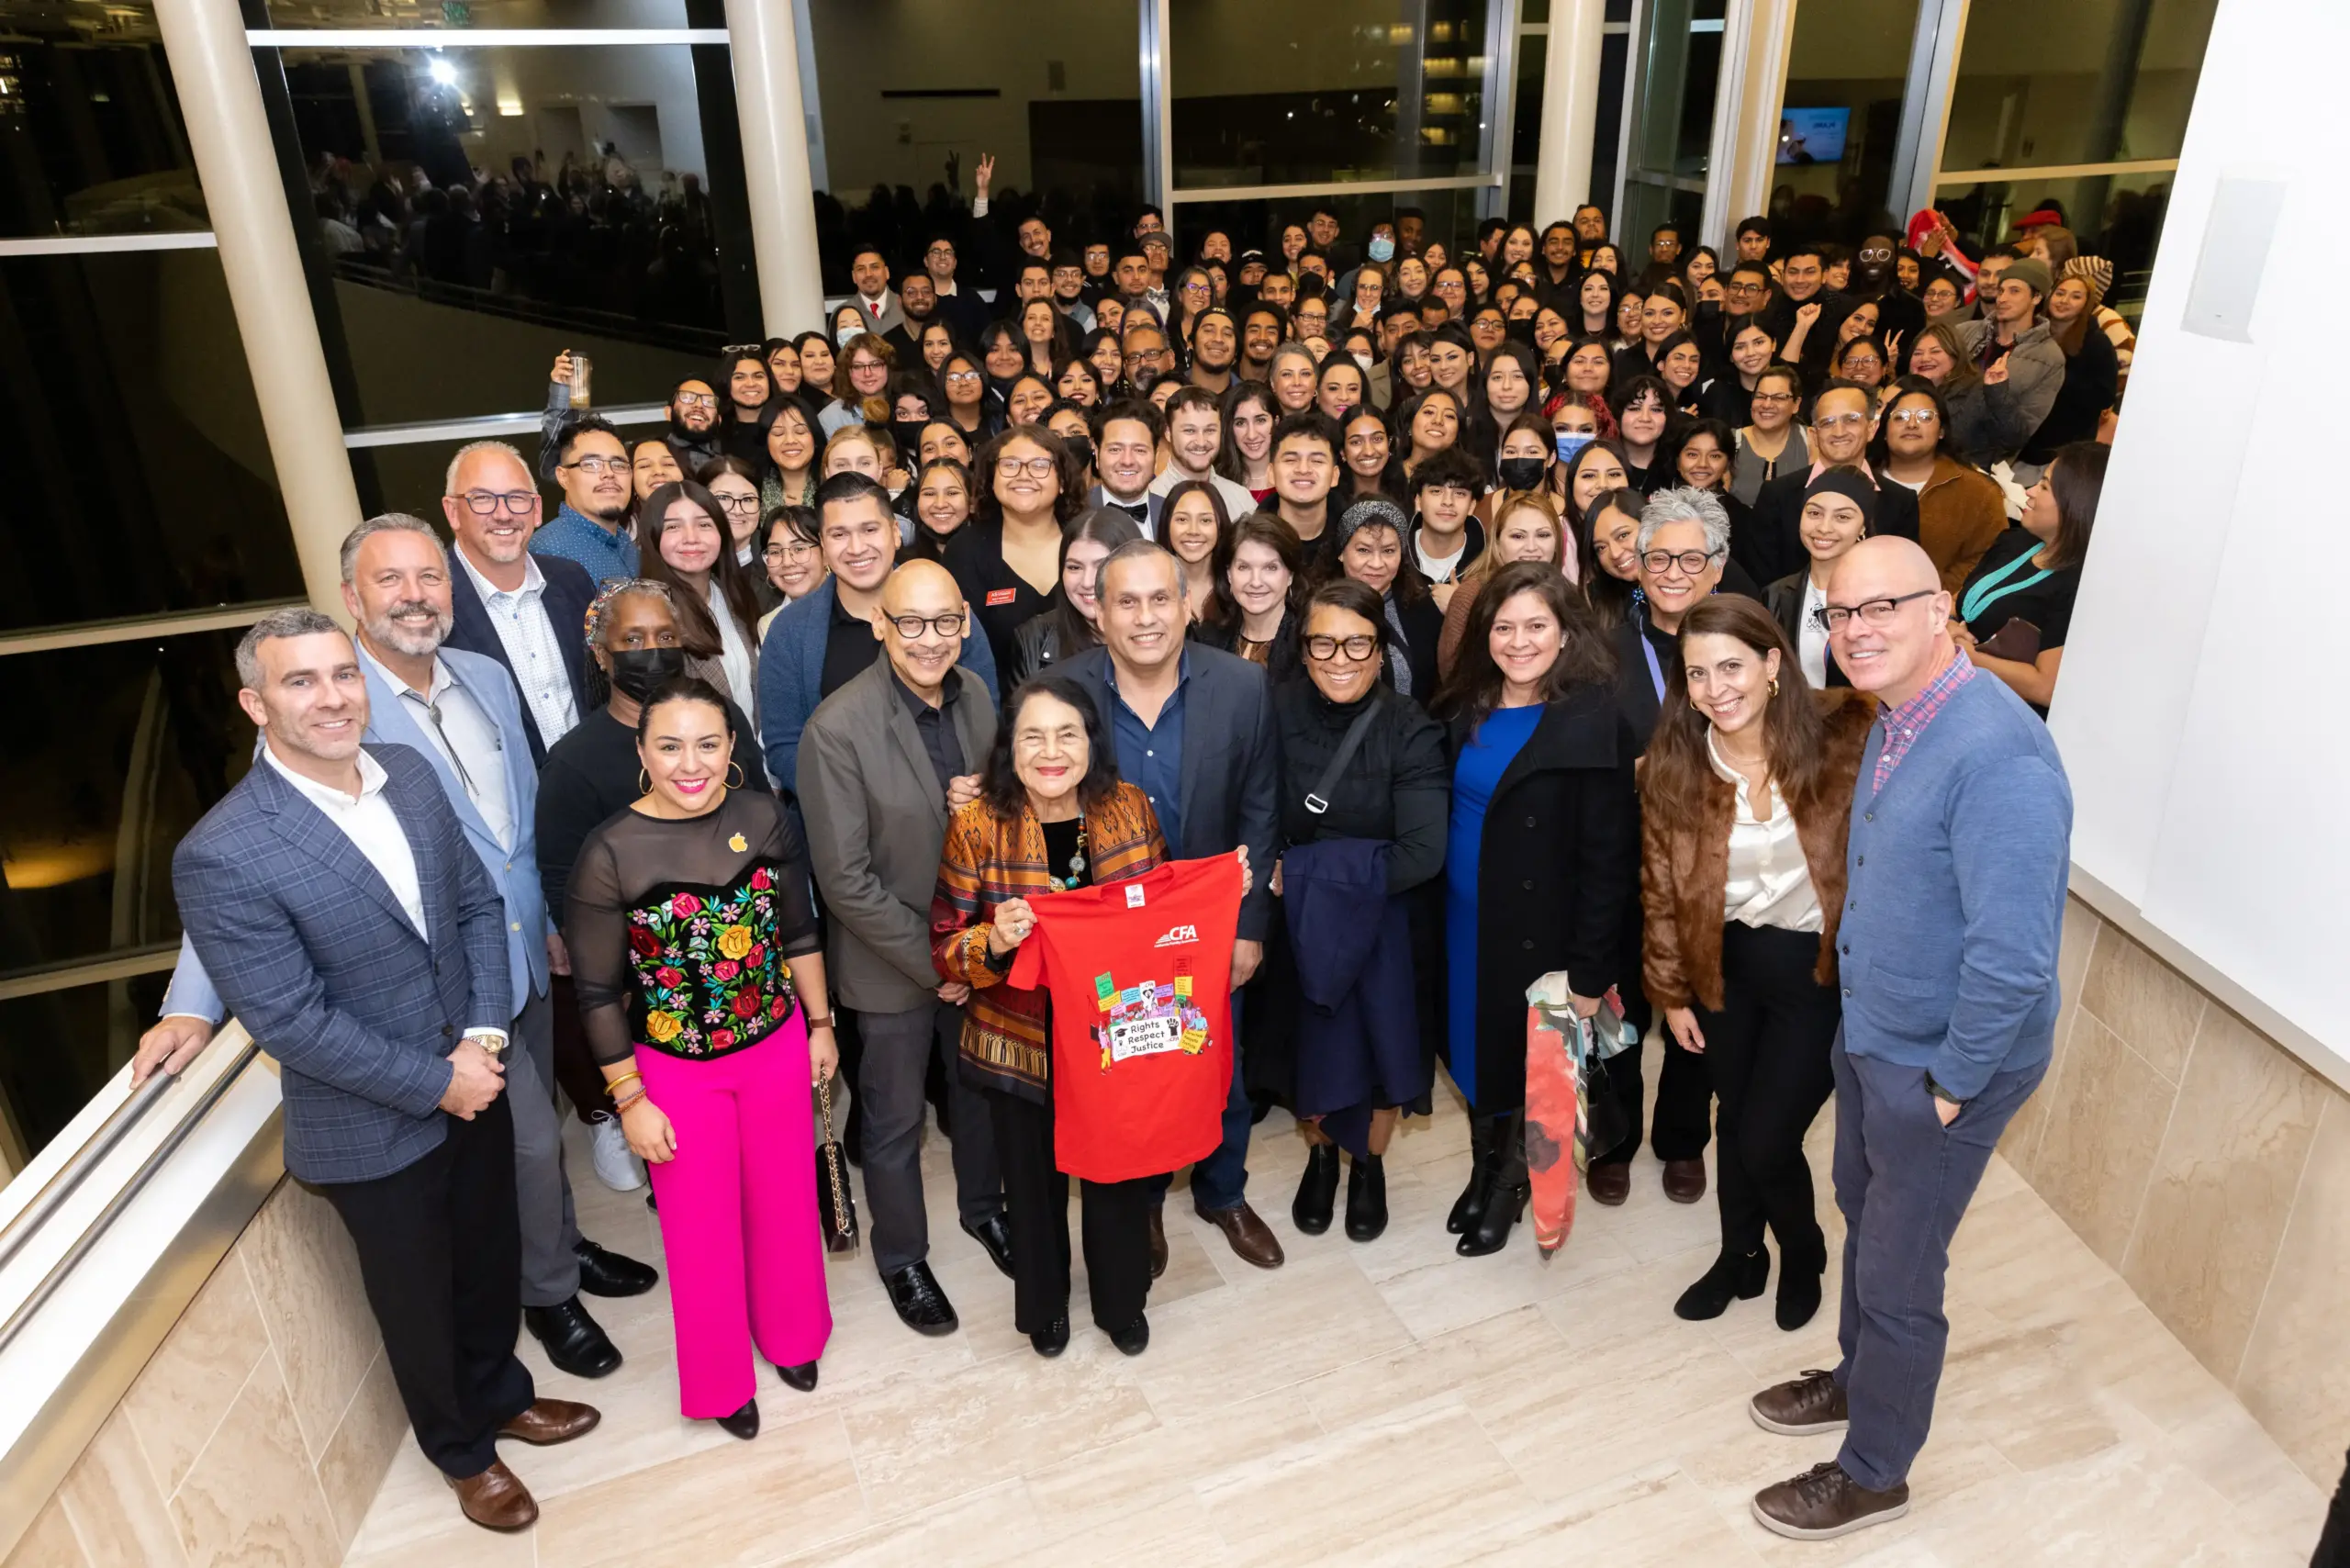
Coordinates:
796	928
596	928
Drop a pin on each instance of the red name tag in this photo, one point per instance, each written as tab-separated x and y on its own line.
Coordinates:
1002	596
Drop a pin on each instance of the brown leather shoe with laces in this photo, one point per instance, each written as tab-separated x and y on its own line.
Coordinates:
1609	1183
1251	1242
1824	1503
1810	1404
496	1499
551	1421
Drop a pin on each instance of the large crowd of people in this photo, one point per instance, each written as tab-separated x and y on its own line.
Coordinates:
1527	612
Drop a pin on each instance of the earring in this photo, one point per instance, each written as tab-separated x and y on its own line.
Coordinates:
736	769
1775	686
644	784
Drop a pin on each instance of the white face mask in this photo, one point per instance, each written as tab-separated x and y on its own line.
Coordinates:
1363	359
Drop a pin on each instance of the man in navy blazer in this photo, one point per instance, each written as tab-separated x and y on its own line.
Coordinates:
362	943
458	711
529	612
1193	729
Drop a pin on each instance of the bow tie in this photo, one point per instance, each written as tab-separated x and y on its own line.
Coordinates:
1138	510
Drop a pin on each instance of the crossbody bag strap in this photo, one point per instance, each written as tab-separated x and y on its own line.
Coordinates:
1317	800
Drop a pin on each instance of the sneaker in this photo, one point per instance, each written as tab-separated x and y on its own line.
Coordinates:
1810	1404
615	1167
1824	1503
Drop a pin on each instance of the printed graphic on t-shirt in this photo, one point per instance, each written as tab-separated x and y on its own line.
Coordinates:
1150	1017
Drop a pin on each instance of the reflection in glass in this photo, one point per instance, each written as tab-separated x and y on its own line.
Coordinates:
1672	123
140	480
57	1050
1839	120
90	134
2087	82
485	209
2119	216
501	14
1447	216
118	749
911	98
1328	90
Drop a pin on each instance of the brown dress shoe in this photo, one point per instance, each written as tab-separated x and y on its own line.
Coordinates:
496	1499
1684	1179
1157	1242
1610	1183
1251	1240
551	1421
1824	1503
1812	1403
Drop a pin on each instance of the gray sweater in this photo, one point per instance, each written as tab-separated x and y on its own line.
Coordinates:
1991	423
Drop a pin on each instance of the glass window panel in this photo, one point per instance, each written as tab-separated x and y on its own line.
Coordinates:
2118	216
1525	127
489	207
912	97
89	135
1534	11
411	477
2087	82
1328	90
119	749
503	14
139	479
1673	120
57	1050
1447	216
1607	124
1841	119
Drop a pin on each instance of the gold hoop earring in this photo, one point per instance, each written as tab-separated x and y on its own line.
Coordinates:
740	777
1775	686
644	784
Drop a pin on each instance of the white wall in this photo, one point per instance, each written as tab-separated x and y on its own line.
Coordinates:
2198	710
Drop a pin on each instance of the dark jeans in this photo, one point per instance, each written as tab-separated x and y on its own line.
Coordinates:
1221	1180
1766	1054
441	1255
899	1049
1116	1226
1903	1181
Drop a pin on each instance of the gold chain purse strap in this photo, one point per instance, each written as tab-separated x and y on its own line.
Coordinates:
842	1225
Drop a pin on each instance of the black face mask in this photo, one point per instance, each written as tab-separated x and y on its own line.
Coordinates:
1082	448
638	672
907	433
1522	472
1709	309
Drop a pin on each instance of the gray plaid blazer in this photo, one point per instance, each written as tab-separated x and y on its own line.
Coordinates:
311	951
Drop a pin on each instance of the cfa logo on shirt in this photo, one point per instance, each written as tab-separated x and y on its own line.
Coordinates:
1181	936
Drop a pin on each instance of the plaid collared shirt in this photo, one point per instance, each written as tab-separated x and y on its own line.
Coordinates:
1904	724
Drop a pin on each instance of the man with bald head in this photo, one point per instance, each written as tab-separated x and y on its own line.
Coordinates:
529	612
1961	833
878	763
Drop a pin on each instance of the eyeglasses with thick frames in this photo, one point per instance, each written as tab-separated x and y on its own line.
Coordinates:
740	503
912	626
485	503
1037	467
1326	648
696	400
1691	562
1873	611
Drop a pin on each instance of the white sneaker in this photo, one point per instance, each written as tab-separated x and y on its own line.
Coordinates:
615	1166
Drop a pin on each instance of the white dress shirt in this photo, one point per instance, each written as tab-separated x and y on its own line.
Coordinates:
460	730
1811	638
527	633
1770	880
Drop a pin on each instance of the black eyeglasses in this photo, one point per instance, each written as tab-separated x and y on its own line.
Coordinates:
740	503
1691	562
1357	648
1871	611
912	626
485	503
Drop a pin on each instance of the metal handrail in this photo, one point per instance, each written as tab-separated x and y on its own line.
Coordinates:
143	1098
27	1221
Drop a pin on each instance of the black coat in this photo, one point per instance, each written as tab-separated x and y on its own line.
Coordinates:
1769	544
1423	627
2092	381
1557	875
1784	600
569	591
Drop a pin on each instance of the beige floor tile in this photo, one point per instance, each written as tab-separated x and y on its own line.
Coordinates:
1088	1494
1657	1518
1448	1366
459	1543
1269	1332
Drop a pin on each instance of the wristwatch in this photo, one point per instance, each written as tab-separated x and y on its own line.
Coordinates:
1938	1092
815	1022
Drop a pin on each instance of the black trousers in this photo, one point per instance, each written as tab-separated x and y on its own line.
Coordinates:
441	1255
1116	1226
1767	1051
1683	1120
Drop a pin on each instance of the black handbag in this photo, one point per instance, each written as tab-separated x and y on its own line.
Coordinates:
1605	1122
835	1207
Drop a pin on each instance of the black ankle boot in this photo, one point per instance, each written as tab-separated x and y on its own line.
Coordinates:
1731	1277
1799	1283
1365	1199
1317	1189
1506	1195
1471	1201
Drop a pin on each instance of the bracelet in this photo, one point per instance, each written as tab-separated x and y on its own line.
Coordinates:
815	1023
624	1104
612	1084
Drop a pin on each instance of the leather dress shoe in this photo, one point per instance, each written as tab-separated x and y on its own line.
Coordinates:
1318	1190
801	1377
608	1273
496	1499
1684	1179
1051	1341
1803	1406
994	1233
1610	1183
743	1422
574	1342
921	1304
1157	1241
1251	1242
1135	1338
1365	1199
551	1421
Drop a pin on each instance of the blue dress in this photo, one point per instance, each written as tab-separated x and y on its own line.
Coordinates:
1492	747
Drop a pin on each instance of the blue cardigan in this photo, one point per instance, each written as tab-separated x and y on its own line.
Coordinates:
1958	874
791	677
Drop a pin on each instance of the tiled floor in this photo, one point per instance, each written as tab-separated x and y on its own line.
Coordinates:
1390	1403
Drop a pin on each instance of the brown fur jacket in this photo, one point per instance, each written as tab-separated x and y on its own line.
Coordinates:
1684	866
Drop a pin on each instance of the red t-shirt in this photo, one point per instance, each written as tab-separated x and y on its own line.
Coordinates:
1140	974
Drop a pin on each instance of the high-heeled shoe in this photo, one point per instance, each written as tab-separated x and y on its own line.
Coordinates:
1733	1276
1471	1200
743	1422
1365	1199
801	1377
1317	1189
1505	1203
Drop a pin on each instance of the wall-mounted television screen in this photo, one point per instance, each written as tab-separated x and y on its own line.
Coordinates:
1812	136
